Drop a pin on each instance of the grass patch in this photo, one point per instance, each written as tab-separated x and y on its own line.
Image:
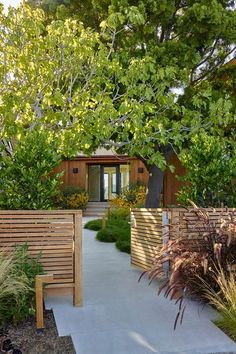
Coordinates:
123	242
106	235
117	229
94	225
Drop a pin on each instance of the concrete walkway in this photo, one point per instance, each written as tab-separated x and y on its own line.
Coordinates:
122	316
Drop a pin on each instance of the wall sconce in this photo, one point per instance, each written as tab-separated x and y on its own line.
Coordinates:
75	170
140	169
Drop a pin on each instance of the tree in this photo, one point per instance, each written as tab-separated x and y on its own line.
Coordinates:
26	178
140	87
165	52
52	76
168	47
210	163
91	13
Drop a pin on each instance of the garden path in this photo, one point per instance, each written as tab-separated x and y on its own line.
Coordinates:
122	316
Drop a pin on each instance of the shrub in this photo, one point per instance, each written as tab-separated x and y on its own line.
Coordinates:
192	262
106	235
17	278
117	229
211	172
26	178
119	214
224	300
130	197
72	198
123	242
94	225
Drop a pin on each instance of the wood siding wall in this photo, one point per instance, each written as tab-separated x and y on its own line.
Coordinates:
80	179
56	235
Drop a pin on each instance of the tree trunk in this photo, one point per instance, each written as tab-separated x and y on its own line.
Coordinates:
155	186
156	180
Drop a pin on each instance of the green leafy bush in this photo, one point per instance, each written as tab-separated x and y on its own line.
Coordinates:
106	235
123	242
119	214
26	178
72	198
130	197
94	225
211	172
17	281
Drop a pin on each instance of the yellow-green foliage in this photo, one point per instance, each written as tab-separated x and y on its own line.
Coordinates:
73	198
225	301
11	283
14	286
131	197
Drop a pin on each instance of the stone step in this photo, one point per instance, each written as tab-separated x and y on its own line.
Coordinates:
96	209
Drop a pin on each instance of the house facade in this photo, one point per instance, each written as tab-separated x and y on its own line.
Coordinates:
105	174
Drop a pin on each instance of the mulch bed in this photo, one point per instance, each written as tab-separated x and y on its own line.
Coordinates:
25	337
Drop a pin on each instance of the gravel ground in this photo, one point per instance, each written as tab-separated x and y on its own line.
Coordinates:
25	337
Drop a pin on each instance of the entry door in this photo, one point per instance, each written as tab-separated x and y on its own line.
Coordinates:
109	182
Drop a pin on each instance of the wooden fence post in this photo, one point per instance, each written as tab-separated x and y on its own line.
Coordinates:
78	298
166	237
39	281
104	222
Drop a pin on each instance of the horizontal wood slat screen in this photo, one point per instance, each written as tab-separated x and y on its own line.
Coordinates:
56	235
150	228
146	236
182	222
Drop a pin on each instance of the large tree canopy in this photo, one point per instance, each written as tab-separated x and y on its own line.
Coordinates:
52	77
142	85
172	50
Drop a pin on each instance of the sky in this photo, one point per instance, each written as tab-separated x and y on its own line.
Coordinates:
6	3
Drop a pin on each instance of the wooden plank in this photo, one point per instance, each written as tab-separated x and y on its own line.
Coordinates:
146	243
78	260
43	212
29	227
39	281
142	254
140	263
150	234
146	246
40	219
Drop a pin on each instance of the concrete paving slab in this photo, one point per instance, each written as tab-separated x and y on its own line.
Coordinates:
122	316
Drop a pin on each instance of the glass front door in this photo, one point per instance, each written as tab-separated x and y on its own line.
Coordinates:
106	181
110	179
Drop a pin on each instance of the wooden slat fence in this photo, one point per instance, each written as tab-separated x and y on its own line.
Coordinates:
146	236
150	228
56	235
184	222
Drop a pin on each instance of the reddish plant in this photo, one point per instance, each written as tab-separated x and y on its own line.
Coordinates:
193	259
